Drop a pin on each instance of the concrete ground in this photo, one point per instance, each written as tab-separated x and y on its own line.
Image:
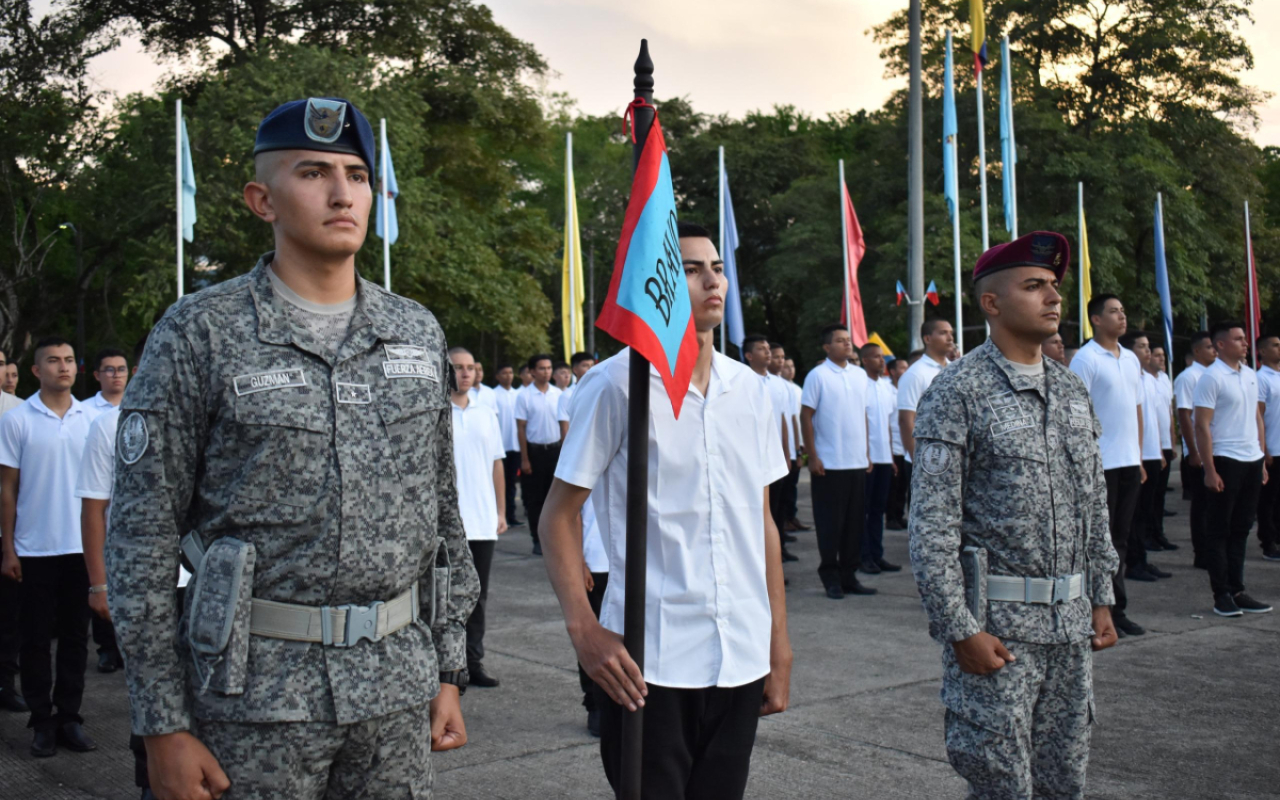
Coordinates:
1189	710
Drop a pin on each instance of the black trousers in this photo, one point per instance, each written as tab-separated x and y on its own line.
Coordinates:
534	486
510	474
877	500
897	504
10	634
1148	511
697	742
1268	513
839	515
1124	486
55	602
1193	481
482	554
778	503
793	493
1230	515
595	597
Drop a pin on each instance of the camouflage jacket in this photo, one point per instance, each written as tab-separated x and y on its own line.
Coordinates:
1009	463
338	469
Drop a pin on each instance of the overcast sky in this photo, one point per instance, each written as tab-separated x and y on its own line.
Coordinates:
728	56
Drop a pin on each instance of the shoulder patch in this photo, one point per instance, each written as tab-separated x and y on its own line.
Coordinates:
935	458
133	438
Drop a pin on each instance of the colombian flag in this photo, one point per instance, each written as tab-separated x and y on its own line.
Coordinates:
978	22
648	304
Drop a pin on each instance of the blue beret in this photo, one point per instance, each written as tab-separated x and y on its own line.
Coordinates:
330	124
1037	249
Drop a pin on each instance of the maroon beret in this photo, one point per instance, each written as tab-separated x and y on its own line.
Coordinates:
1037	249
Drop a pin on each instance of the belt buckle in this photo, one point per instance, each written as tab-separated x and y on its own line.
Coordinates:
1061	589
362	623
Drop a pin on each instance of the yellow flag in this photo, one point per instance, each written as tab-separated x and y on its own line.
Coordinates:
1085	283
572	291
874	338
978	26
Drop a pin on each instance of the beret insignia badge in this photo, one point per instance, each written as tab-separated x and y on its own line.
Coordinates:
324	119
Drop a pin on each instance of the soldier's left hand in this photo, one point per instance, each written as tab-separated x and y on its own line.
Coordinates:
1142	472
1104	630
777	684
448	732
502	525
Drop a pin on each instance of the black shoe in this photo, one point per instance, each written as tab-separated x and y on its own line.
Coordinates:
788	538
537	548
478	677
45	742
108	662
1271	553
1224	605
593	722
895	525
1159	573
1170	513
512	522
10	700
1199	564
835	592
1250	606
799	526
870	568
1168	545
1128	627
788	556
1152	547
857	588
71	735
1120	634
1139	573
885	566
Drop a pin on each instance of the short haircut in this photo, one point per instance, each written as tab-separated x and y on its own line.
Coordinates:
559	365
776	346
1258	342
51	341
457	351
749	343
579	357
1198	337
1098	304
539	358
1156	345
505	365
104	354
829	332
868	346
140	348
1221	329
1132	336
929	326
525	366
691	230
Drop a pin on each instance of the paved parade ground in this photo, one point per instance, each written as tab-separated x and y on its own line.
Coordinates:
1189	710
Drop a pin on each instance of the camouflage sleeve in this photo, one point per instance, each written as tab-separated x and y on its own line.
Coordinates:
937	493
1101	554
464	582
158	446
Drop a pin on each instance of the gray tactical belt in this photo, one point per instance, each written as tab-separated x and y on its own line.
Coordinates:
337	626
1038	591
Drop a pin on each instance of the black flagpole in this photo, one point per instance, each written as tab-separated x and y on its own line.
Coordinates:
637	477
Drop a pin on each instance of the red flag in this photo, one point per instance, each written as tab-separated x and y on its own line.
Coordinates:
854	248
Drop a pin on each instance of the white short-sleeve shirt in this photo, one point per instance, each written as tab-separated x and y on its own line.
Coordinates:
1115	386
477	443
1269	393
838	397
707	613
781	397
794	414
562	405
1184	393
484	395
1151	396
881	406
912	384
8	402
506	400
1233	396
47	449
593	551
1165	410
895	429
538	410
97	405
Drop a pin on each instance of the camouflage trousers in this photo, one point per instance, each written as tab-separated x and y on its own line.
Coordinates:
386	758
1023	731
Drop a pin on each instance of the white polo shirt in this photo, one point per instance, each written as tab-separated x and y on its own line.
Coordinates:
506	400
477	443
794	414
1269	393
881	406
781	397
47	449
97	405
912	384
484	395
1165	410
1233	396
540	413
1151	403
1115	386
1184	393
838	397
562	405
593	551
8	402
707	615
895	428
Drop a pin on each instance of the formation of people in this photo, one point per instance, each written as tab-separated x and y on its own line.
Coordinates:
282	527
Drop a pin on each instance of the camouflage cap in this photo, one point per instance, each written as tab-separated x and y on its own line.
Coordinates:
330	124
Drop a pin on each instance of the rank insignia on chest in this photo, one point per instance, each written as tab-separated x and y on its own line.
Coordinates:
354	394
410	369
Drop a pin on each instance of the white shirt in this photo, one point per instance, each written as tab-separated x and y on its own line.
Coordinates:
780	395
707	614
838	397
1269	393
593	551
484	395
1151	402
1233	396
895	429
8	402
477	443
562	405
506	400
47	449
881	406
1184	391
1165	410
793	418
538	410
912	384
1115	386
97	405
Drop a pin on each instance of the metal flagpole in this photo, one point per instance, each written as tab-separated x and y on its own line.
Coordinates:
177	140
955	243
723	330
982	163
1080	257
915	180
637	476
1168	329
569	222
844	249
1251	280
386	222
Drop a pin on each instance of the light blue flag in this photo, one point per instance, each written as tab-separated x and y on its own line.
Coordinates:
1008	146
393	191
733	298
1162	273
188	188
949	178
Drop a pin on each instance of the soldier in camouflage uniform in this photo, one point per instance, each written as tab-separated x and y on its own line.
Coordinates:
305	446
1007	461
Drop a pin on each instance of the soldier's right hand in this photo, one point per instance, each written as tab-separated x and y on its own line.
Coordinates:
602	654
180	767
815	465
981	654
